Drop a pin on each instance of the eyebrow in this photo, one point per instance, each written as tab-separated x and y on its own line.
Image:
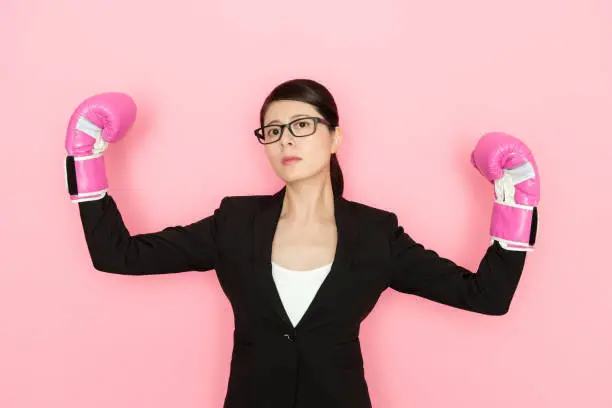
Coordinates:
291	118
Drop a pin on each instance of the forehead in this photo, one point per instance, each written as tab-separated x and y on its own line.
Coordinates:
284	110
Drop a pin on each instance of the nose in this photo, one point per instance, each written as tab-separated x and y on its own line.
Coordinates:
286	137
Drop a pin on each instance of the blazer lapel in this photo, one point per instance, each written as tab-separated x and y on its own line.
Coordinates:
265	224
264	228
323	301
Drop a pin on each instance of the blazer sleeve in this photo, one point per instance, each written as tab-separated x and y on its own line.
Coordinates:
422	272
174	249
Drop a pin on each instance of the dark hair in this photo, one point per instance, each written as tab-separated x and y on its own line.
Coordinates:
317	95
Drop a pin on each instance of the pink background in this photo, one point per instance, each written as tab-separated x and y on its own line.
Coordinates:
417	82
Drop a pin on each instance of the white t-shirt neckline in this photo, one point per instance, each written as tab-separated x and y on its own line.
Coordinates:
297	289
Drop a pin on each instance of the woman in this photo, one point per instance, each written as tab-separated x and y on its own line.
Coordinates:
302	267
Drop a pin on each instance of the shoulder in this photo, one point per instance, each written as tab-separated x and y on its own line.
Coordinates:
245	201
368	210
245	204
371	216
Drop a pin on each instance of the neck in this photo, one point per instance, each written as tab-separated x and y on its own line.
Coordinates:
308	200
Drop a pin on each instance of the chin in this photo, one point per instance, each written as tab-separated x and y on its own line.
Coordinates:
291	176
289	179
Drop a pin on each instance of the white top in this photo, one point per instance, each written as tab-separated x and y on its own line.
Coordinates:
298	288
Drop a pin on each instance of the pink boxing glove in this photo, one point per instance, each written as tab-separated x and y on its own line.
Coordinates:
509	164
97	121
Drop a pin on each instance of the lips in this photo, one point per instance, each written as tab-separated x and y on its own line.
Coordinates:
290	159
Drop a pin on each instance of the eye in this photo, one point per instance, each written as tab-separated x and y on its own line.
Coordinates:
272	131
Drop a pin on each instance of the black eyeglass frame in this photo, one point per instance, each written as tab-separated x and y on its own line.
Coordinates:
259	132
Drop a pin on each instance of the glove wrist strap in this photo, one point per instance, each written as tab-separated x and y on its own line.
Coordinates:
514	226
85	177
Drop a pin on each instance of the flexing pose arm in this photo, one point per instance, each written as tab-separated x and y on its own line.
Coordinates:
104	119
507	163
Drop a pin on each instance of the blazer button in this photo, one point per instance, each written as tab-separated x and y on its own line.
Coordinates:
288	336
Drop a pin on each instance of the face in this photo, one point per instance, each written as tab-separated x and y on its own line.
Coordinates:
299	158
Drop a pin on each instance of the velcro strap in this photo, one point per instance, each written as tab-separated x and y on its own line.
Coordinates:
513	224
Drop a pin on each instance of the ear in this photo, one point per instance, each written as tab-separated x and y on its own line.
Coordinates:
337	139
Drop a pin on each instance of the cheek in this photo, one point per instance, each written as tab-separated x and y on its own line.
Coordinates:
321	146
271	151
317	154
273	154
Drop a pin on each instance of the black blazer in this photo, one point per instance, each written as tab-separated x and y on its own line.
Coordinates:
318	363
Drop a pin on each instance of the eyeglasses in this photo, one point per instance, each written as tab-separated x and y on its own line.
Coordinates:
301	127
